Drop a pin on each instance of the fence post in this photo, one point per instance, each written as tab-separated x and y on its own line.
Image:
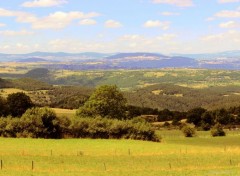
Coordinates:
32	165
105	167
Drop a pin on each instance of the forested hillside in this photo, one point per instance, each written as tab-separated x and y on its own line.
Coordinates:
130	79
173	97
173	89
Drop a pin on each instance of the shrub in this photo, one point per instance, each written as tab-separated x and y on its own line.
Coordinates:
10	127
43	123
112	128
40	123
205	127
166	124
188	131
217	130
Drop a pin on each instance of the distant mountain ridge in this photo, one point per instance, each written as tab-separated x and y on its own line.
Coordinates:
225	54
33	59
137	54
135	60
57	56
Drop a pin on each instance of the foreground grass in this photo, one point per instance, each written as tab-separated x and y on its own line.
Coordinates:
175	155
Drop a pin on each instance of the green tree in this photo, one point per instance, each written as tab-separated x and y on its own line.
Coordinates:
40	123
106	101
195	116
18	103
222	116
3	107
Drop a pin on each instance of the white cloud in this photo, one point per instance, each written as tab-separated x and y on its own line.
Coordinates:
56	20
9	13
164	25
16	33
72	45
131	37
22	46
87	22
228	1
136	42
43	3
112	24
26	18
23	17
2	24
180	3
230	24
170	13
231	35
60	20
229	40
228	14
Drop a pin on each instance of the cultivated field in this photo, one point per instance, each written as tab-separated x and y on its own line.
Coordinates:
175	156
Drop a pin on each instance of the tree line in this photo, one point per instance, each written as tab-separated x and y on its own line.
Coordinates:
21	118
105	114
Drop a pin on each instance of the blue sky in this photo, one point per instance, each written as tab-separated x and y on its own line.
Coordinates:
163	26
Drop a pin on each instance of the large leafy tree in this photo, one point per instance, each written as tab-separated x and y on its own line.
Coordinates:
106	101
18	103
3	107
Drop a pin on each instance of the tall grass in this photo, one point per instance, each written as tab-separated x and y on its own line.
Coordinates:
176	155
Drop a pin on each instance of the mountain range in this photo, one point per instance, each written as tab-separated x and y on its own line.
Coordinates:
137	60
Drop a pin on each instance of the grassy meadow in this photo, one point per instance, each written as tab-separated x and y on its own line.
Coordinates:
65	112
175	156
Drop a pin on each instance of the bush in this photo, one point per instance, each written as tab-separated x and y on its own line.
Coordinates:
188	131
43	123
205	127
217	130
166	124
40	123
112	128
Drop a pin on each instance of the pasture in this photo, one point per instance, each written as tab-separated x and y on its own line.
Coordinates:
175	156
5	92
65	112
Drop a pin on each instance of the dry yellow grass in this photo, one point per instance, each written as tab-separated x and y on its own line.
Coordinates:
65	112
154	74
6	91
156	92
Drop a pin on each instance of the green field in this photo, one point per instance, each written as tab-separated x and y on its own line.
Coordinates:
175	155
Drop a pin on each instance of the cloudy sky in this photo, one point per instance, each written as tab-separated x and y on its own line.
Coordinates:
163	26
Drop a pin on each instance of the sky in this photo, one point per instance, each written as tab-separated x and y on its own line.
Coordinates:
109	26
